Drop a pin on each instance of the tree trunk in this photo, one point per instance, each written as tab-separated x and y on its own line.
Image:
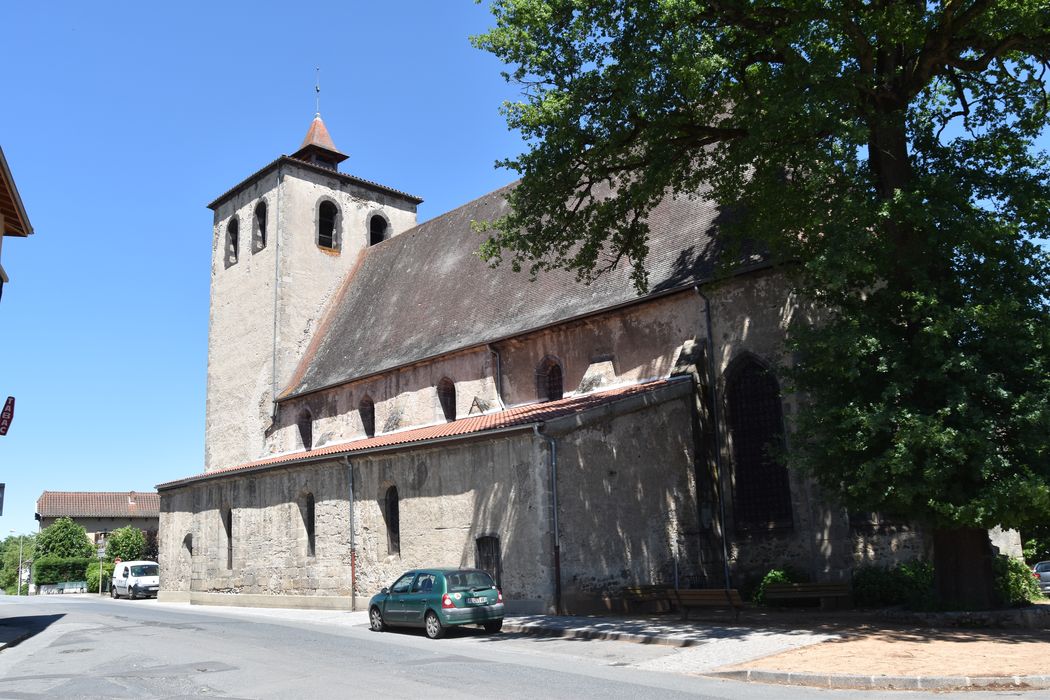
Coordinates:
962	566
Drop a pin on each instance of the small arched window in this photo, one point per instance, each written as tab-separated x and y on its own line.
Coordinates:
232	242
392	513
549	380
446	390
761	488
327	225
305	423
367	410
259	227
308	523
377	229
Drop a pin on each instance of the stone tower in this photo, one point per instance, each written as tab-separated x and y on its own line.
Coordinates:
283	241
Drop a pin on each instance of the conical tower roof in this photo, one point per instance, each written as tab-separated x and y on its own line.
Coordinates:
318	146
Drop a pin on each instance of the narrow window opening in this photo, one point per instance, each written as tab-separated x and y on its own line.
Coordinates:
367	409
377	230
549	380
232	242
392	511
259	241
327	215
228	523
446	391
761	488
308	522
306	429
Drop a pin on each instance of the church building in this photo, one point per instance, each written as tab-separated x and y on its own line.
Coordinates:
380	399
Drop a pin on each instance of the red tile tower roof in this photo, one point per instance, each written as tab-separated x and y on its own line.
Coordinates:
98	504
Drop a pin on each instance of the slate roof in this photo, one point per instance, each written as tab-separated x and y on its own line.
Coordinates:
98	504
425	292
519	417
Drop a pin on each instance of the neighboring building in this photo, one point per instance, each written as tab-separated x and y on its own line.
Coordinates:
379	399
101	512
13	218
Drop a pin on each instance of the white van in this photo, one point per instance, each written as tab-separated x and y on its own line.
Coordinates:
135	579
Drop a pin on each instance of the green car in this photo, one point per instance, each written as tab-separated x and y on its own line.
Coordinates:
436	599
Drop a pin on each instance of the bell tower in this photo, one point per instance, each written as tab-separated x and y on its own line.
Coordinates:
283	241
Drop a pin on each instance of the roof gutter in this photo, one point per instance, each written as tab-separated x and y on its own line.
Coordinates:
740	272
337	454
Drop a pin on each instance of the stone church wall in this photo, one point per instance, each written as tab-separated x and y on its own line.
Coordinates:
627	498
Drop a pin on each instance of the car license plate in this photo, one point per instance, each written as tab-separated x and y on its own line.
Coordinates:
476	601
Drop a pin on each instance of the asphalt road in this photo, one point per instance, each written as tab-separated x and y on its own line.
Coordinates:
85	647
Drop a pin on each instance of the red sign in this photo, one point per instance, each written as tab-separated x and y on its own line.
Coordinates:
7	414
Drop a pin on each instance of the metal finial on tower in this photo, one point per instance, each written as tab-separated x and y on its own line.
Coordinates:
317	89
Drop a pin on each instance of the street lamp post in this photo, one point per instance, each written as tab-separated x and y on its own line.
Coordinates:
18	590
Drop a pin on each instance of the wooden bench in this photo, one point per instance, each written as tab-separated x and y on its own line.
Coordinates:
686	598
825	592
646	594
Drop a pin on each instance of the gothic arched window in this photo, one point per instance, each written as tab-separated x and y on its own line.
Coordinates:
761	489
446	391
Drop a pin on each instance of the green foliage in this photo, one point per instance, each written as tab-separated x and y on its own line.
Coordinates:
909	583
127	542
9	551
64	538
886	149
1014	583
92	576
51	569
773	576
1036	543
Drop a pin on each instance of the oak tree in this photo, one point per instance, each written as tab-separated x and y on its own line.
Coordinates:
884	155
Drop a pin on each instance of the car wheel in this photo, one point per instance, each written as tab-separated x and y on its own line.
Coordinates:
133	593
494	626
113	593
375	620
435	630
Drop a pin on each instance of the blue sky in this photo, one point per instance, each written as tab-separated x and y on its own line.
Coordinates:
120	122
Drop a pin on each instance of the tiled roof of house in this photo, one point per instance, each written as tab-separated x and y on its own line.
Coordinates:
98	504
518	417
425	292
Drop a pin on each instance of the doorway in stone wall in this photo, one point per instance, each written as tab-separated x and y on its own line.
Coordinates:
487	558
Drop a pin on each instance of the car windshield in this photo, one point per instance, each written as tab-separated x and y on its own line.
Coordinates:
144	570
468	580
1043	567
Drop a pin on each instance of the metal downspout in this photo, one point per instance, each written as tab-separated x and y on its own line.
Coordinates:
717	432
276	282
353	536
499	376
553	446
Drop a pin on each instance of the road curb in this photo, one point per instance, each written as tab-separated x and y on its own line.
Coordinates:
586	633
857	682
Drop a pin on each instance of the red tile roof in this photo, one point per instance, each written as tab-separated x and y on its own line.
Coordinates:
517	417
98	504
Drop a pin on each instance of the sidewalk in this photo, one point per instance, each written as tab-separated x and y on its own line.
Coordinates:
843	649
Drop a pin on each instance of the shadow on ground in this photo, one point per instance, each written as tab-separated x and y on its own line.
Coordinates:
15	630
